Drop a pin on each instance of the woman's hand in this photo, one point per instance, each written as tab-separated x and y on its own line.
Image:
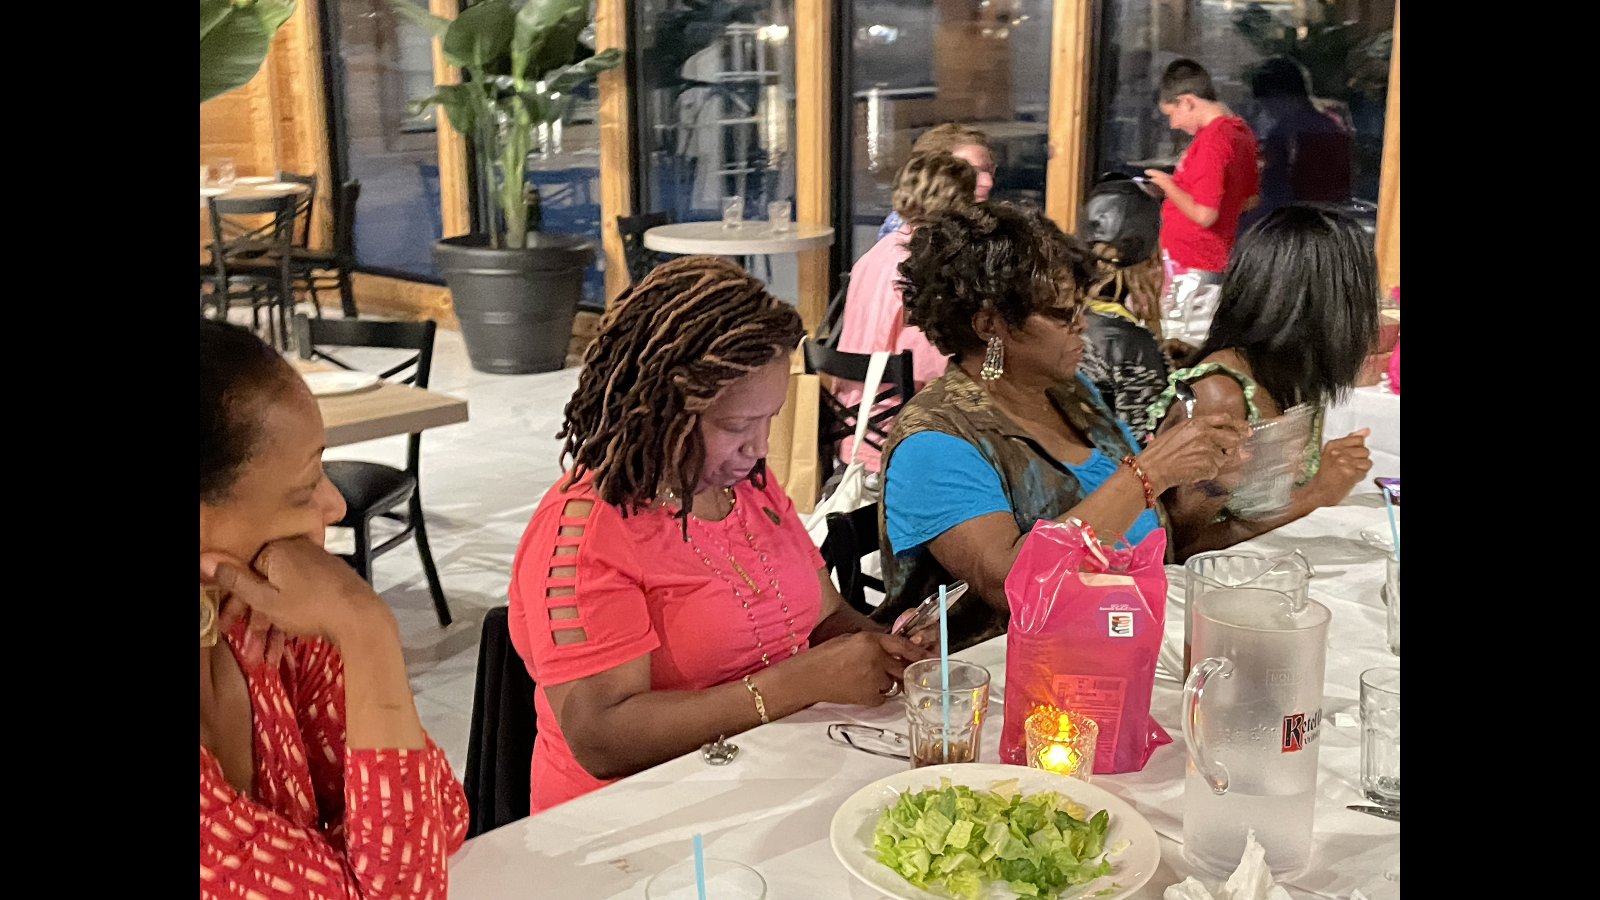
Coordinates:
859	669
1345	464
1196	450
297	588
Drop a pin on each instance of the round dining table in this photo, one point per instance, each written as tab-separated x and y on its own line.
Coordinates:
251	187
753	238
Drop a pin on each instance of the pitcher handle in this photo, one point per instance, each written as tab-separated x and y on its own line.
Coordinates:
1215	773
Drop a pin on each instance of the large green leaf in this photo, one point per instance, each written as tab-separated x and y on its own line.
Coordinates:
480	37
546	35
232	48
566	78
462	103
432	24
212	12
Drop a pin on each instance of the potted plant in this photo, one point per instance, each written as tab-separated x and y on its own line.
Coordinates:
516	288
234	38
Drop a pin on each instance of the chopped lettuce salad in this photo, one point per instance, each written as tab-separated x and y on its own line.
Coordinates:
953	840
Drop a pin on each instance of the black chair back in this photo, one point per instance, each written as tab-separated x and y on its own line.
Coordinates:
504	724
851	536
344	221
304	204
835	421
230	235
828	329
640	258
312	334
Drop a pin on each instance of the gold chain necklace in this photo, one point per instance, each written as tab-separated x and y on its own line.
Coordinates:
755	591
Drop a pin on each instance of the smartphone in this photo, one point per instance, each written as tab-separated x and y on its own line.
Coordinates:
1141	179
928	609
1391	486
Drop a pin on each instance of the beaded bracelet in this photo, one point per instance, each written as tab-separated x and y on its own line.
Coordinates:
761	705
1149	492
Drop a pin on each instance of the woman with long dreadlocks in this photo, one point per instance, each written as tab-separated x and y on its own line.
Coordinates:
665	593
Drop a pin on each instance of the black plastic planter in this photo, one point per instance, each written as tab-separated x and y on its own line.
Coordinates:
515	306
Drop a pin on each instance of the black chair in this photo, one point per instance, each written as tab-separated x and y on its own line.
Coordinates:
249	259
851	536
329	269
373	490
504	724
828	329
640	258
835	421
304	204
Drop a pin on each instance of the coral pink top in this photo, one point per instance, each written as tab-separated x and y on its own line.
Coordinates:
634	587
874	321
326	821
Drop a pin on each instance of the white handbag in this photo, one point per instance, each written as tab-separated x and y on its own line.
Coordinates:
852	491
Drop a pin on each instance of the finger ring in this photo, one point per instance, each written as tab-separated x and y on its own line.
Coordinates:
893	691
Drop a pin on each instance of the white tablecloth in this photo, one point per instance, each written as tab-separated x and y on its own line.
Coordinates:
772	806
1376	408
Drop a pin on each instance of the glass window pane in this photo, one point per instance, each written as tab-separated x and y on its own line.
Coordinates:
564	165
713	87
1253	51
920	63
383	62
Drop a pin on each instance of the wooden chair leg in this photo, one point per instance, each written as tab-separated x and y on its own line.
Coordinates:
440	607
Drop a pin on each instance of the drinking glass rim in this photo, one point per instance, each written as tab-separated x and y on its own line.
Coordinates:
1368	682
689	863
934	664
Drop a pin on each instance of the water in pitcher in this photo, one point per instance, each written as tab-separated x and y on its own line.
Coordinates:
1214	828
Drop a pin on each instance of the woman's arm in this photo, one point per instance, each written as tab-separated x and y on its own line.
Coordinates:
616	725
838	617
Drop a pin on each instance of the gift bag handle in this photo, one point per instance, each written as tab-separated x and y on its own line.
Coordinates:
869	397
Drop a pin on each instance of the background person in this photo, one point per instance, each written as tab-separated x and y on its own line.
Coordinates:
1305	154
665	592
961	142
316	778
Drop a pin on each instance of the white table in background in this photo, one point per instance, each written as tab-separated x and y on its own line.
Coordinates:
1372	407
772	806
753	238
250	190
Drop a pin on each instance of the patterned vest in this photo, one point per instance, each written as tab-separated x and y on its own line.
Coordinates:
1036	484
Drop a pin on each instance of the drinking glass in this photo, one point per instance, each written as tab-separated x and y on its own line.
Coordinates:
1392	591
725	880
1061	741
969	705
778	216
222	173
732	212
205	175
1380	736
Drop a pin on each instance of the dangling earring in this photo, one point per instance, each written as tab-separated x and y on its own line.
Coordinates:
208	618
994	360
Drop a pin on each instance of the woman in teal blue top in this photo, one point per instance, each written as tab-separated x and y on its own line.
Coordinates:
1010	434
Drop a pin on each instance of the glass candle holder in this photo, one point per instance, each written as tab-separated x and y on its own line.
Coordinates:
1061	741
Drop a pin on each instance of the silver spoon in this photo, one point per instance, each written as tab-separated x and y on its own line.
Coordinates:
1392	815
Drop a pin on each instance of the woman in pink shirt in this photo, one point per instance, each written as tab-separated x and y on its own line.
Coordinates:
874	318
665	592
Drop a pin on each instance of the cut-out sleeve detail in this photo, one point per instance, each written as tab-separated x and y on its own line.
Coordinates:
577	593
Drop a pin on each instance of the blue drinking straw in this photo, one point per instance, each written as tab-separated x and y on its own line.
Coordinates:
944	669
699	868
1388	507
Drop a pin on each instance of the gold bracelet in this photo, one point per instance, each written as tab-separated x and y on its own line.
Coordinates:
761	705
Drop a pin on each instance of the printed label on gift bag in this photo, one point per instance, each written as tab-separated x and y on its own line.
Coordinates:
1100	698
1300	730
1119	624
1122	614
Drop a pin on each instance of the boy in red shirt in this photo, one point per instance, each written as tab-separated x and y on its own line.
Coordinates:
1216	179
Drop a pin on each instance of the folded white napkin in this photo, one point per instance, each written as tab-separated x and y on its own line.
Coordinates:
1251	881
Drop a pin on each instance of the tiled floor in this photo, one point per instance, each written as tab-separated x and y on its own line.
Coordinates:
480	483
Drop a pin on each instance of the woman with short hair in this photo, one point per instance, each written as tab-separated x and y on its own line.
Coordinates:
1010	434
665	593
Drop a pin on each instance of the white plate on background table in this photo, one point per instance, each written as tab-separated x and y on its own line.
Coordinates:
851	831
329	384
280	186
255	179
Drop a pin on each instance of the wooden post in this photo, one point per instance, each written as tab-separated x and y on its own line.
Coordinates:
1389	180
1070	42
616	191
813	57
455	189
300	117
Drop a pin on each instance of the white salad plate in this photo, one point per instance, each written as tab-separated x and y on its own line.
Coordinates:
255	179
328	384
851	831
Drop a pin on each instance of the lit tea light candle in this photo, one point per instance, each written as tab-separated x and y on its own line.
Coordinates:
1061	741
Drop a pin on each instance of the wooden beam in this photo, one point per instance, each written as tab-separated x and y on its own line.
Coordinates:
300	119
1389	179
455	189
616	190
1070	44
813	58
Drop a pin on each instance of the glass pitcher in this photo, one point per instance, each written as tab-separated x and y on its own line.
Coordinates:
1252	708
1206	572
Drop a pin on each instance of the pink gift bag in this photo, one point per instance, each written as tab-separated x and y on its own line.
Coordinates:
1086	627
